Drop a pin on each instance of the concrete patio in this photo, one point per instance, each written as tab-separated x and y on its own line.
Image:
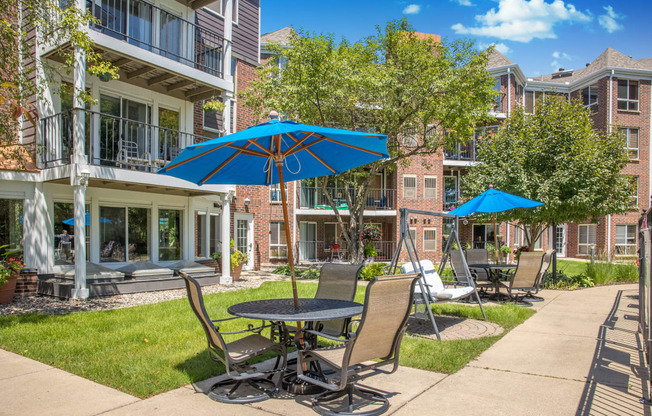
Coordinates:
580	354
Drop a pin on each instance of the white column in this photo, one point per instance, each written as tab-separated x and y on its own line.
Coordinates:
226	238
154	230
227	96
228	37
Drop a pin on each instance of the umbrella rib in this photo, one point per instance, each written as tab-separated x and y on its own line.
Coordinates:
300	148
217	169
248	151
167	168
349	145
258	145
321	161
297	142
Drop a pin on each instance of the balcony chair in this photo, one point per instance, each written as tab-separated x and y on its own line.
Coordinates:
482	278
235	355
374	344
128	155
525	278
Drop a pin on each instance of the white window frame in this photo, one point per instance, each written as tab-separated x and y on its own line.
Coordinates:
215	12
635	197
236	11
631	247
414	177
590	90
626	131
426	230
281	230
276	188
425	179
627	99
588	243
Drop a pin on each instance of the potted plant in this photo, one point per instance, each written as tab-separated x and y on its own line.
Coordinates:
9	273
104	71
370	233
213	106
238	259
217	258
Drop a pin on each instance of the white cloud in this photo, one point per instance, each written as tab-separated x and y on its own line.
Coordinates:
464	2
500	47
412	9
609	22
559	56
523	20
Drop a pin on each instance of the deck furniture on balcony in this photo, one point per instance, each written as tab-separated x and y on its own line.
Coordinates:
129	156
236	355
368	350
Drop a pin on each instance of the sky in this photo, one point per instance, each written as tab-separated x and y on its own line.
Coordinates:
540	36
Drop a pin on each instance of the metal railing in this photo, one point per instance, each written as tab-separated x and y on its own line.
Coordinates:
317	251
149	27
111	141
463	151
645	292
314	198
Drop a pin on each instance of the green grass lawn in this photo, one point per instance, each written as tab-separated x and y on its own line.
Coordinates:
571	268
150	349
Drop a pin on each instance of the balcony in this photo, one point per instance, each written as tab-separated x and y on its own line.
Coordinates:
319	251
158	50
314	199
111	141
463	152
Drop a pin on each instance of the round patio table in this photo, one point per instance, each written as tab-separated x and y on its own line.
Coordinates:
493	271
283	310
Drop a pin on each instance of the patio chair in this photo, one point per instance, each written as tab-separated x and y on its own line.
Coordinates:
525	278
129	156
374	344
481	276
235	355
547	259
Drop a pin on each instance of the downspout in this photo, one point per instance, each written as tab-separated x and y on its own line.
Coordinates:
650	149
509	91
611	77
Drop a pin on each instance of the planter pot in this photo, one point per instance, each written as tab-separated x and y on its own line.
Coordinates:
235	274
104	76
7	290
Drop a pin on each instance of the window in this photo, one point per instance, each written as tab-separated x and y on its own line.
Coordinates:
590	96
409	186
429	239
631	142
586	238
236	5
529	101
215	6
625	240
170	234
537	244
633	183
627	95
212	122
498	100
332	231
275	193
413	234
278	248
430	187
11	223
112	234
450	191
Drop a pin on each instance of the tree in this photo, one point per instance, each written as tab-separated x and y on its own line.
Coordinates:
555	157
27	26
395	83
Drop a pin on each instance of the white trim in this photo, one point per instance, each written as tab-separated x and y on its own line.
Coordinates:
416	185
436	186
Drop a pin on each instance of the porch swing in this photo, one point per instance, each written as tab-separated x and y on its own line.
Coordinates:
430	288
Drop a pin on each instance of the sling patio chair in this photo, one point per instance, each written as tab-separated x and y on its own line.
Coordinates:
547	259
373	344
481	276
235	355
525	278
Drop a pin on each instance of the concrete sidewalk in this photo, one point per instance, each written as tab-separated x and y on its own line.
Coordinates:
577	356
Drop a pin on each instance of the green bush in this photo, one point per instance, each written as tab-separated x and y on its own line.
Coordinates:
602	272
371	271
306	274
284	270
310	274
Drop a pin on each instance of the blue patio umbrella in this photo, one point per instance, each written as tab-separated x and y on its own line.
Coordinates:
276	152
492	201
71	221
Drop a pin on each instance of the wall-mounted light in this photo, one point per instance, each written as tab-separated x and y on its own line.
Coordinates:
247	201
465	222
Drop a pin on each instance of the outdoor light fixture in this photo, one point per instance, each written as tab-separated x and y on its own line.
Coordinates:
465	222
247	201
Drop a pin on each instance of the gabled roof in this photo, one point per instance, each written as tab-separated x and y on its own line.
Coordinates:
610	58
497	59
280	36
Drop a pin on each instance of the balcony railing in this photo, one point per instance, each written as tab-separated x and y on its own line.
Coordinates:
314	198
463	152
324	251
149	27
111	141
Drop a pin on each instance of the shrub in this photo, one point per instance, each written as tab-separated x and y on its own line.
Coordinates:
603	272
284	270
371	271
310	274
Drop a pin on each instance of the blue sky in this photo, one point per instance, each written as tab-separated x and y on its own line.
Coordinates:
539	35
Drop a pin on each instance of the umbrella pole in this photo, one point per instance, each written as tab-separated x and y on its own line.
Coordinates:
495	239
279	167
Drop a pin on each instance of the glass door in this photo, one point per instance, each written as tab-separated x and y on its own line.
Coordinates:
308	241
244	237
168	140
170	40
560	241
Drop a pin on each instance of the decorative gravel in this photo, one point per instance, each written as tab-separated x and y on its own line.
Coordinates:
54	306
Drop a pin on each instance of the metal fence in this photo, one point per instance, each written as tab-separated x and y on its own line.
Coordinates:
319	251
645	291
314	198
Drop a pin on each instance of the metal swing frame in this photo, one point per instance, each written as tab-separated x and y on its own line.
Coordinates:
405	237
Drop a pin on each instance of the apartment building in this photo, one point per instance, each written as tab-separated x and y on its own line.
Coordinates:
98	164
616	88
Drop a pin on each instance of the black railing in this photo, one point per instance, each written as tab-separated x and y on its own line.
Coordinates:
116	141
645	293
149	27
462	151
314	198
318	251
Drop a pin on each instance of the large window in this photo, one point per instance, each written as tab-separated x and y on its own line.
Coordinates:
430	187
586	238
631	141
625	240
429	239
627	95
450	191
11	223
529	101
498	100
275	193
409	186
332	233
124	234
590	96
138	226
633	184
278	248
170	234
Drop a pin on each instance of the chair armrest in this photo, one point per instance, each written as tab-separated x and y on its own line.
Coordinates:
319	334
